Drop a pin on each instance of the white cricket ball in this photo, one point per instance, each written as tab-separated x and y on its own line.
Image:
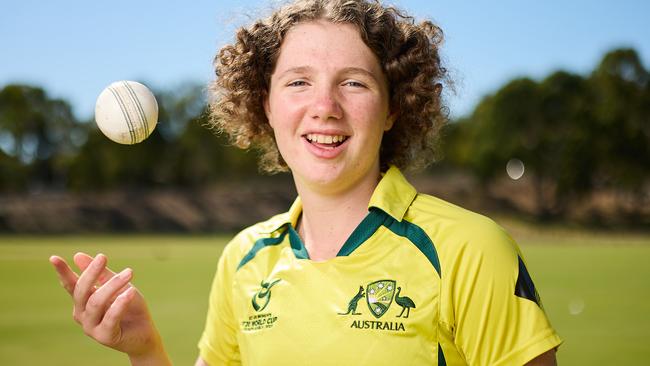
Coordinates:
126	112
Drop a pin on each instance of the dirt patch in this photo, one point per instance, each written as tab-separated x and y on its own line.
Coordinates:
232	206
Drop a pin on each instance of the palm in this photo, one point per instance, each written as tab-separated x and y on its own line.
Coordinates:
133	331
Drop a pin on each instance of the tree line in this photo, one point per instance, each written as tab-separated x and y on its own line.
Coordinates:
575	133
43	145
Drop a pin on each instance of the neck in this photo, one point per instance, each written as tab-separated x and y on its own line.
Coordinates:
328	219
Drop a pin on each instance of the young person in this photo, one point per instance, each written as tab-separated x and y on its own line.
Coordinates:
362	269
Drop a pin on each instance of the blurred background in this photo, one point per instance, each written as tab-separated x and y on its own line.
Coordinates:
549	134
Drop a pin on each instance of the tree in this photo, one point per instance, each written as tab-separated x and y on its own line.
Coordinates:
622	107
180	151
573	133
13	175
38	132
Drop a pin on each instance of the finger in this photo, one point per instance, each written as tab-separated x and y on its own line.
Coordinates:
67	277
116	311
86	283
101	299
83	260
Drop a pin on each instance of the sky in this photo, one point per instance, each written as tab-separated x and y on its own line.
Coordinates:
74	49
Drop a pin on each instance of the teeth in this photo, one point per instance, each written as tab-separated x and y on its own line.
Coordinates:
325	139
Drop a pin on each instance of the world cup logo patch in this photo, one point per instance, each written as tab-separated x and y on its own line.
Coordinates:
263	296
259	320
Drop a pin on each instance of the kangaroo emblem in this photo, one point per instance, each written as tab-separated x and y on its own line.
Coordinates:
352	305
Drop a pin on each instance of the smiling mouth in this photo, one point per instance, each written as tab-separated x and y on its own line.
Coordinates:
327	141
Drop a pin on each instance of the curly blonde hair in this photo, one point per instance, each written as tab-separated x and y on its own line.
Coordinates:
407	52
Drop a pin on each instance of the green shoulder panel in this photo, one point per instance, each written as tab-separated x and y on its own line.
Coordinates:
377	218
417	236
259	245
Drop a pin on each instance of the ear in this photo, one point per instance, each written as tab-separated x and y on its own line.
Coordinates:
267	108
390	121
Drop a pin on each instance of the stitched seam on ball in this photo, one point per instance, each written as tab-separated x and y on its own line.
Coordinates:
143	117
125	112
131	111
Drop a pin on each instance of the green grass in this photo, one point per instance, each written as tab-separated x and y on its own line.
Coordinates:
595	288
36	326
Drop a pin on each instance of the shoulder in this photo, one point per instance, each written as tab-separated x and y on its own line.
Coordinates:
438	215
457	232
244	241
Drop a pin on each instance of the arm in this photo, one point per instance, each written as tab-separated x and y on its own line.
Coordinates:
545	359
495	310
200	362
114	313
218	344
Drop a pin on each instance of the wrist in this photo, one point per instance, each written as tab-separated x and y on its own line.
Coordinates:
150	359
155	356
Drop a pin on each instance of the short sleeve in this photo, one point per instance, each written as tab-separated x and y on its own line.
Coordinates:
218	344
495	314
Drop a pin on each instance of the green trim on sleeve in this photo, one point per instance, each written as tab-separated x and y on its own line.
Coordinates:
441	356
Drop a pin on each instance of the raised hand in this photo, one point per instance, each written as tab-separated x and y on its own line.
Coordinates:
110	310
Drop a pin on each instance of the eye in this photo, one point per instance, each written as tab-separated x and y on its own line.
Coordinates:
354	83
297	83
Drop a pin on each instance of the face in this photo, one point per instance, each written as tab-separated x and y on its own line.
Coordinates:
328	106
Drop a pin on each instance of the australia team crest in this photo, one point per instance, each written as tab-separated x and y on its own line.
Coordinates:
379	296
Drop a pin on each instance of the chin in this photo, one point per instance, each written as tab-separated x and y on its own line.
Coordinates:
332	177
322	173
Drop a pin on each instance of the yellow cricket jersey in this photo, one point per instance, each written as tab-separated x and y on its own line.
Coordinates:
419	282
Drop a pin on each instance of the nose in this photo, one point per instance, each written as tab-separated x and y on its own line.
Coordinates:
325	105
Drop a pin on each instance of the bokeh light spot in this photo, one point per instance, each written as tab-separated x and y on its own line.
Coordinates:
576	306
515	168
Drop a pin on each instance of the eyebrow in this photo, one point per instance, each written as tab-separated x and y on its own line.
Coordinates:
359	70
296	70
345	70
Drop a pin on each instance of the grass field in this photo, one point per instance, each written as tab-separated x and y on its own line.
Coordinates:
595	288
